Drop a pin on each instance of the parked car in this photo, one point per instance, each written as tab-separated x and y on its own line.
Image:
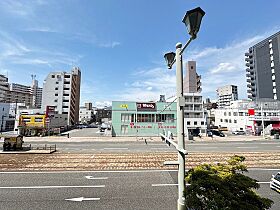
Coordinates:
275	182
238	132
216	133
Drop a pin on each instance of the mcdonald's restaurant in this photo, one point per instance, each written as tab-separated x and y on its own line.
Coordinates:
143	118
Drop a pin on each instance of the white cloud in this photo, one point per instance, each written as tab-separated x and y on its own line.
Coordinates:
225	65
110	44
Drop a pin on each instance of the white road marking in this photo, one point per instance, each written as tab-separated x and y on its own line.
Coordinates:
194	144
270	143
51	187
160	185
115	148
208	147
163	185
247	147
82	199
263	182
159	148
91	177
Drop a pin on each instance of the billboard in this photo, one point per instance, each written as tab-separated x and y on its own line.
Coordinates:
146	106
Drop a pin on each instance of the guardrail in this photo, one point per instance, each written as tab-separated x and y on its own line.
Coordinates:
51	148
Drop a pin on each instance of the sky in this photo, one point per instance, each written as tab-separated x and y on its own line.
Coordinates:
119	44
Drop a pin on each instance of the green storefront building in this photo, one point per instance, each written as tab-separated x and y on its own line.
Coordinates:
142	118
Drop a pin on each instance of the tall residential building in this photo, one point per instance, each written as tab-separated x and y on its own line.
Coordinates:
226	94
62	90
263	69
37	92
20	94
192	83
4	87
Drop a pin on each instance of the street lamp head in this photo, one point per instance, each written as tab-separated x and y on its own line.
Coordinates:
192	21
169	58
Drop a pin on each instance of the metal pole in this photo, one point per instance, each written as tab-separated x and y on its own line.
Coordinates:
262	120
181	203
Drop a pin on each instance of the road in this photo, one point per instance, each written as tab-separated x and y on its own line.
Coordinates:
102	189
154	146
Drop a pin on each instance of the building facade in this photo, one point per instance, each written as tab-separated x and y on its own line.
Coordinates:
263	69
4	88
237	116
62	90
192	83
226	94
194	113
86	113
143	119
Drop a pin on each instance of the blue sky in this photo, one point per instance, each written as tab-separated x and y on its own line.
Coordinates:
119	44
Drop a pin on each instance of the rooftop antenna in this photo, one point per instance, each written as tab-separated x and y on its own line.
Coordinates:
33	76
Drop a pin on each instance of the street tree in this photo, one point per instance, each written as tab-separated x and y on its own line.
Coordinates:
223	186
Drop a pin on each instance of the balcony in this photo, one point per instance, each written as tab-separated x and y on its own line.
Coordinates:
248	54
250	65
251	70
249	59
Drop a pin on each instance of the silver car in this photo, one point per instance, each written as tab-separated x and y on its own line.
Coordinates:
275	182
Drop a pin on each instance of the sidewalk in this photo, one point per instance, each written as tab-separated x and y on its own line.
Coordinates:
134	139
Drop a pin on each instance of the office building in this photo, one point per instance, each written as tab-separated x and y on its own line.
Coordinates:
62	90
226	94
263	69
86	113
192	83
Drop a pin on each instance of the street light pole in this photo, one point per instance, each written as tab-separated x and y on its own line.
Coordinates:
192	20
180	127
262	120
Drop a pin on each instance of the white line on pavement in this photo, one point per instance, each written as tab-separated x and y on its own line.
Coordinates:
163	185
51	187
246	147
208	147
160	185
160	148
115	148
263	182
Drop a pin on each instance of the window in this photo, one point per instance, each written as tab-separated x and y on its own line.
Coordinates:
145	117
225	114
241	114
221	120
195	123
66	88
65	100
66	82
235	121
67	76
55	100
202	123
229	120
56	94
56	82
234	113
66	94
38	119
226	120
56	88
125	118
188	122
53	76
65	107
65	113
191	67
229	114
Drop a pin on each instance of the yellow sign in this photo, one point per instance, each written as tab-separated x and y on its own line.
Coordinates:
124	106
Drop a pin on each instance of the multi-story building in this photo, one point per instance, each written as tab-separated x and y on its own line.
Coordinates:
86	113
37	92
194	113
4	87
263	69
237	116
20	94
226	94
192	83
104	114
62	90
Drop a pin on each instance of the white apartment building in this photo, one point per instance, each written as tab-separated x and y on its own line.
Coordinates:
62	90
194	112
236	116
86	115
4	115
226	94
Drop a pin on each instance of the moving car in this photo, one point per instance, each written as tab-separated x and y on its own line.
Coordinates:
275	182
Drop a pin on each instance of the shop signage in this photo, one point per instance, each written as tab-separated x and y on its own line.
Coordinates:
125	106
146	106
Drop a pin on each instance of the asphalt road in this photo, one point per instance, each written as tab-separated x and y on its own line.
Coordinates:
154	146
102	190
